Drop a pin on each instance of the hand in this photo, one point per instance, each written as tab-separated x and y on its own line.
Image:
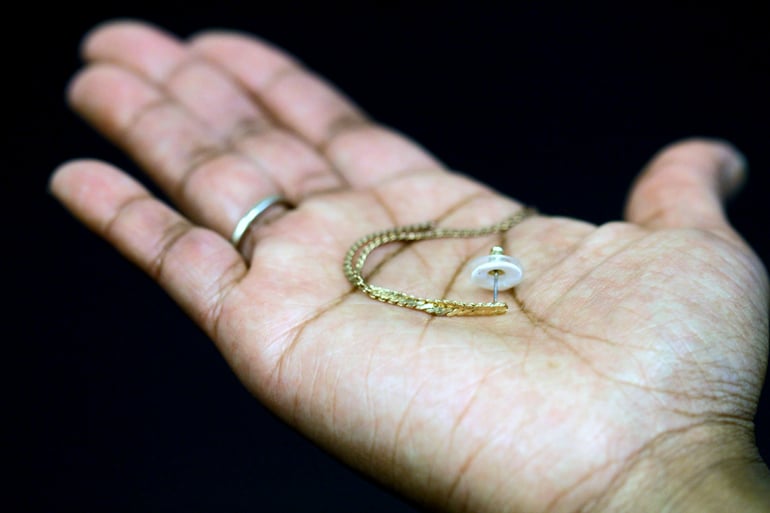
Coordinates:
627	370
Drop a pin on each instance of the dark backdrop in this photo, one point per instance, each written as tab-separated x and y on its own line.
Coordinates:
118	403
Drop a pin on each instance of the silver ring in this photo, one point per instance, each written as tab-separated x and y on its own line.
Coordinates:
253	214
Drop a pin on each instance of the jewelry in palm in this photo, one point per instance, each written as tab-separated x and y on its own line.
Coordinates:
495	271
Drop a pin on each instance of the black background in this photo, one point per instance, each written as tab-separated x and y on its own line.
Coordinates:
118	403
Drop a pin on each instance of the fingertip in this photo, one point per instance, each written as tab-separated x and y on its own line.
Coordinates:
105	31
728	161
62	176
134	43
76	179
734	171
73	87
686	183
91	189
66	172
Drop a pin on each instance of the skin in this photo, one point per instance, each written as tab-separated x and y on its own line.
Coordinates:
624	377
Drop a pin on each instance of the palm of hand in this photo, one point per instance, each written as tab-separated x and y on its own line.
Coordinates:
618	335
615	338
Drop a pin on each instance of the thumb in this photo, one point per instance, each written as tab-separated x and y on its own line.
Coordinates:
685	185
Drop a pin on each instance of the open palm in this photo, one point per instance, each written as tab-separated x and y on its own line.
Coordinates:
623	340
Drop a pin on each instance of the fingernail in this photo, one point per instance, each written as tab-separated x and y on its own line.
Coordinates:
733	172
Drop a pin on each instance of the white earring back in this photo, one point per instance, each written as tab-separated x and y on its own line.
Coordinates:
496	271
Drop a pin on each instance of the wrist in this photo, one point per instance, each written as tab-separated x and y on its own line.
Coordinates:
707	468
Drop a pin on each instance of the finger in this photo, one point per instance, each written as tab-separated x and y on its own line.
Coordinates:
197	155
685	185
210	180
363	152
194	265
211	185
161	59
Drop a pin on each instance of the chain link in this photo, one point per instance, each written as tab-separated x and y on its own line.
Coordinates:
353	266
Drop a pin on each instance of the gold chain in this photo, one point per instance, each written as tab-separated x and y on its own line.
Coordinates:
412	233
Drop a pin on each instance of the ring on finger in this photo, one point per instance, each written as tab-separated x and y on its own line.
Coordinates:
254	212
